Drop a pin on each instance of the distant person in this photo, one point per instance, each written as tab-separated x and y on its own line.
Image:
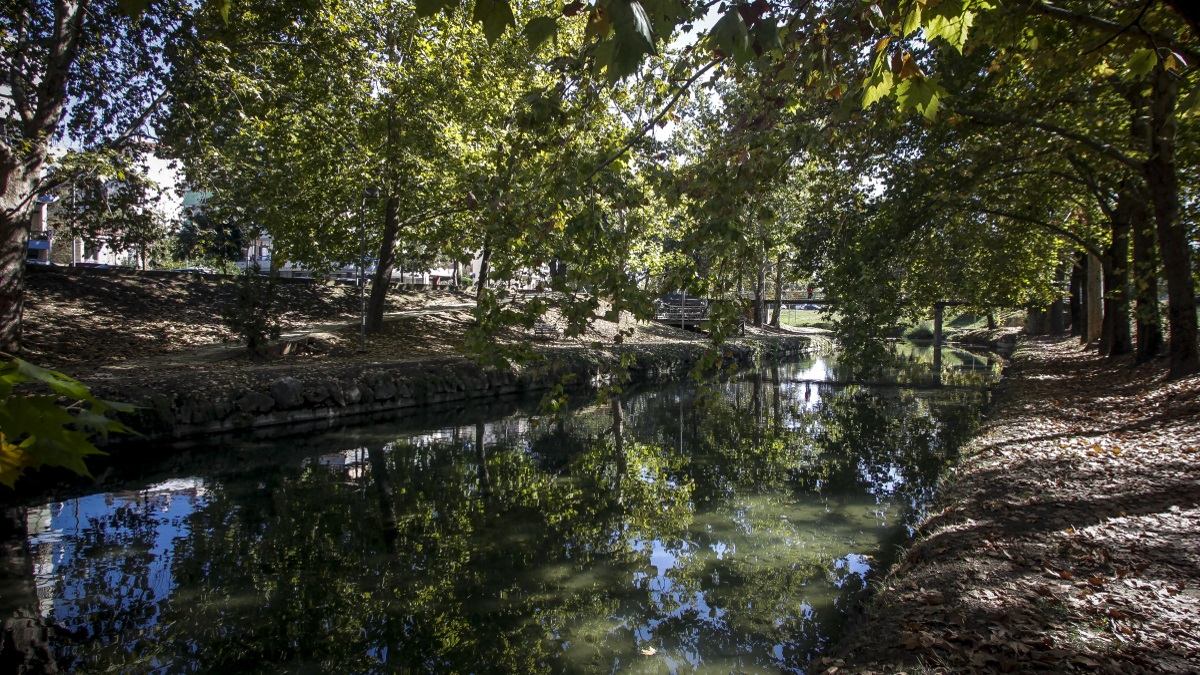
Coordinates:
810	291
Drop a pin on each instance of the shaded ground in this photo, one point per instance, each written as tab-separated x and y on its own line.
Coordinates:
167	333
74	321
1072	537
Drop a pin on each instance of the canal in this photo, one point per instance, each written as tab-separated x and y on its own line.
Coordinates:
729	526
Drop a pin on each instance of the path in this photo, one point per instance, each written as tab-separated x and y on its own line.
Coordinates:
1070	540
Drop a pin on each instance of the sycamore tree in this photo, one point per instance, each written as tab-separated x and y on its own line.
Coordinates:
1110	91
80	71
291	115
109	201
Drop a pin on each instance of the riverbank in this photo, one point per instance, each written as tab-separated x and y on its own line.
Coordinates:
159	343
176	405
1069	538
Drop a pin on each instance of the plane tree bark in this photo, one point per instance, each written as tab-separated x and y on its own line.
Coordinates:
37	80
1159	172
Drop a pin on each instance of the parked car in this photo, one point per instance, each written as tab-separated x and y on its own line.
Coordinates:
92	265
197	270
42	263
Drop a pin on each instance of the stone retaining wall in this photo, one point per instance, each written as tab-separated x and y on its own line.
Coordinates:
360	390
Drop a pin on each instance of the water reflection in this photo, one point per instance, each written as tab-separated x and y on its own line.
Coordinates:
666	530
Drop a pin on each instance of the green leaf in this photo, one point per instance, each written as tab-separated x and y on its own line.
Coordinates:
641	23
223	7
603	55
950	20
912	20
36	431
60	383
877	86
921	94
539	30
633	38
1142	61
495	16
1190	104
766	34
730	36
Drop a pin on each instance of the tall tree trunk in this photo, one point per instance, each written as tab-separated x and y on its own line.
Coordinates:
37	103
1058	309
778	309
1145	280
1094	294
1078	281
1163	184
1117	340
1146	263
15	213
485	266
760	283
381	283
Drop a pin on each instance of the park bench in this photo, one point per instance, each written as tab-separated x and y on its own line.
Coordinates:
546	330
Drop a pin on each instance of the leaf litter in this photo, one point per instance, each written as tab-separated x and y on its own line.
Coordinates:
1069	540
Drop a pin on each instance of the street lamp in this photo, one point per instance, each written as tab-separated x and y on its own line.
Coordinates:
369	193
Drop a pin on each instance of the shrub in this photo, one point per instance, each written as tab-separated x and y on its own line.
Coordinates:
252	314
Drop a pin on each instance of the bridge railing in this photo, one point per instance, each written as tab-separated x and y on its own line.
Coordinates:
677	313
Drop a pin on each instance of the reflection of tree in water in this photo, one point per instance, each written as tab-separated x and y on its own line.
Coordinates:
892	444
655	521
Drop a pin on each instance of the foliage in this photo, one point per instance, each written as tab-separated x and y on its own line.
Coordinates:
35	431
251	315
106	199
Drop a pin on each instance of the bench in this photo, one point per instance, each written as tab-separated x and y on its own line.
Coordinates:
546	330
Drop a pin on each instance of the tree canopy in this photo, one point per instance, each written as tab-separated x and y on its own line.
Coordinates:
896	153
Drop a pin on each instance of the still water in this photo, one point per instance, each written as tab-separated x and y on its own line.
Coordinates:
720	528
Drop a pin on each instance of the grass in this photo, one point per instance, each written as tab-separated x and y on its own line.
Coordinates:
960	322
804	317
921	331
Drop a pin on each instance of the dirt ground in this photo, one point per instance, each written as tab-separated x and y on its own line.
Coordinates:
98	327
1070	537
74	321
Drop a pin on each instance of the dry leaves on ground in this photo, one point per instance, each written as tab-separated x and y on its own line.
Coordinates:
1072	539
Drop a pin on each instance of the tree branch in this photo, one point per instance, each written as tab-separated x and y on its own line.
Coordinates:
641	133
1106	149
52	90
1056	229
1098	23
135	125
431	214
1103	198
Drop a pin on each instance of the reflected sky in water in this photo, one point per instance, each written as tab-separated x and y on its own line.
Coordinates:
729	528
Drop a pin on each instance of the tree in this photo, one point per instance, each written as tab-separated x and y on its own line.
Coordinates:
79	69
109	201
1035	63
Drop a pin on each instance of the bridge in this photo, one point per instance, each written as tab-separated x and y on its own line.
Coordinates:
685	312
679	310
